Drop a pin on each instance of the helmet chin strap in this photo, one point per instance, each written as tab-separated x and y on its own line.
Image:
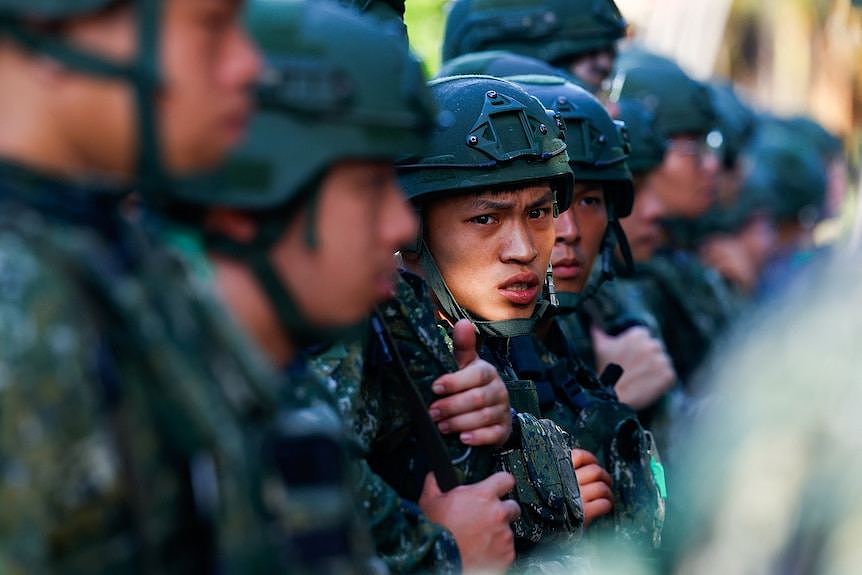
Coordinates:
454	312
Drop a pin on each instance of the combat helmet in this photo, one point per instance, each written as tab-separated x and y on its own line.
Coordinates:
681	104
390	13
491	133
333	89
551	30
499	63
647	144
736	123
598	148
17	19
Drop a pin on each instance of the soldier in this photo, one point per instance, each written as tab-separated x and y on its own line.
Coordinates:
133	439
577	37
487	192
736	126
736	235
569	391
791	173
691	302
619	311
284	247
789	427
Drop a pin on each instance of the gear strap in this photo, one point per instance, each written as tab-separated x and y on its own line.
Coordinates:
429	435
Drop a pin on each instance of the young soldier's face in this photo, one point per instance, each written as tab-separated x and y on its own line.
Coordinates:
594	67
579	233
686	178
362	219
643	226
207	65
493	248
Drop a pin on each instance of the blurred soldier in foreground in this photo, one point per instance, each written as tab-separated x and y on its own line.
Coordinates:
133	439
789	430
283	245
578	37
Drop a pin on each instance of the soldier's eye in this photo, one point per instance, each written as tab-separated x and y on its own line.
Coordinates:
483	220
537	213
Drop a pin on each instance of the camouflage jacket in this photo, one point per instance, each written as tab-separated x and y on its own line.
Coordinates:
537	454
132	437
403	537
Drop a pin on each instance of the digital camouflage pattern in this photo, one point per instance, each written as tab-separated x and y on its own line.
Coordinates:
134	436
546	489
403	537
569	393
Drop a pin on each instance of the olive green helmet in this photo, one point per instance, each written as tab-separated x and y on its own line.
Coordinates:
499	63
390	13
597	145
681	104
791	172
332	88
736	123
551	30
491	133
647	144
141	73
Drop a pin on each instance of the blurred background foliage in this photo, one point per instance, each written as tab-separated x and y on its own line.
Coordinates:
787	56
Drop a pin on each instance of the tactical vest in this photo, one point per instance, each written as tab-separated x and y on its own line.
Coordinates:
586	406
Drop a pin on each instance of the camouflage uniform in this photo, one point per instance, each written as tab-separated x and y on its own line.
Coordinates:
135	437
769	473
397	454
403	537
692	303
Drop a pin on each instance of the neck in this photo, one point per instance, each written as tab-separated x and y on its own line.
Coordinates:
249	305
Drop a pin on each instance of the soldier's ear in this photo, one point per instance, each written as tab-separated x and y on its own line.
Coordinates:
231	223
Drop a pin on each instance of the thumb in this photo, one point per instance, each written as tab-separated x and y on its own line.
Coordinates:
464	343
431	489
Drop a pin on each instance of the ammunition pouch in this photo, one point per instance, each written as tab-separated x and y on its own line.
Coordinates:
546	486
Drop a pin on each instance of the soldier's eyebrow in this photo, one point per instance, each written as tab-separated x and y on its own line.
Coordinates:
481	203
546	198
498	203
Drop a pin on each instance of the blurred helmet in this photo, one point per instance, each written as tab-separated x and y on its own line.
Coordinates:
597	145
736	123
333	88
550	30
647	144
681	104
499	63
